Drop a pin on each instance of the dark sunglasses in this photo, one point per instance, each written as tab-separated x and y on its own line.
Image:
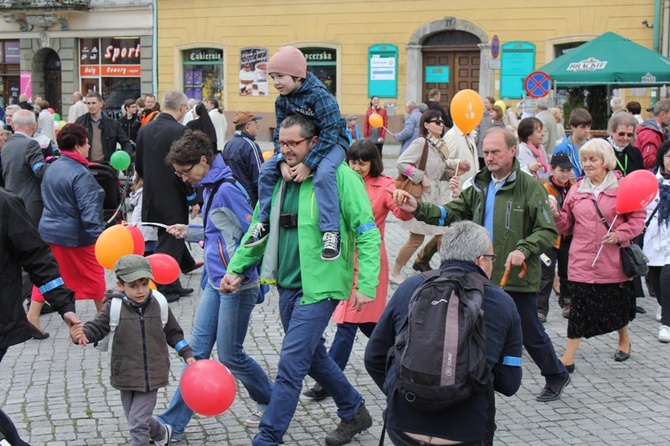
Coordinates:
630	135
437	121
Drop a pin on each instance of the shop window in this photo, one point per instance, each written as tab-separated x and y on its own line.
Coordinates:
111	67
323	63
203	73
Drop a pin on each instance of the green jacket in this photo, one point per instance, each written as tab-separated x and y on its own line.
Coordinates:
320	279
522	221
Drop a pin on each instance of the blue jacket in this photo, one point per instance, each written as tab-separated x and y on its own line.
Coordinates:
569	148
244	157
228	219
465	422
73	201
315	102
410	129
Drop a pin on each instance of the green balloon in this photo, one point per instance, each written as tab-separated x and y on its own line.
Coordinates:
56	117
120	160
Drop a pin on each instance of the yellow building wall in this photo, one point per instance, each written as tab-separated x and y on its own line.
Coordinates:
354	25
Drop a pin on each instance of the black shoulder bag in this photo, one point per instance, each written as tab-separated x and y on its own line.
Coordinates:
632	258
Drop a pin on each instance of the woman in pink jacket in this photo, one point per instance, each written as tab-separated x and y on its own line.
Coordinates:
601	300
364	158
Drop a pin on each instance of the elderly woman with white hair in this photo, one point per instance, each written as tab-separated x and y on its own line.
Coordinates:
601	300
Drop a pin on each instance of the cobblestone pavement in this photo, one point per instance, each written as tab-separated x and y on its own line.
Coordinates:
59	394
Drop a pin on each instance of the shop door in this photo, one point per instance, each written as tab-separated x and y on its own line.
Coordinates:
463	72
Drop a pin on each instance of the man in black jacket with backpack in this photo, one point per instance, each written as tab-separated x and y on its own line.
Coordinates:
466	250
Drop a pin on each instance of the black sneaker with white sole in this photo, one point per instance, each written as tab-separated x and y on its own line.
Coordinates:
258	235
331	246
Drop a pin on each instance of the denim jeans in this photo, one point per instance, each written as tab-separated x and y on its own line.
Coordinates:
325	189
224	319
343	343
304	352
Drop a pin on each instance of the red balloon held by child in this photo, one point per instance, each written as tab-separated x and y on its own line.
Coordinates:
208	387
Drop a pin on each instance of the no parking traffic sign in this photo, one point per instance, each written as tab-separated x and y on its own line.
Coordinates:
537	84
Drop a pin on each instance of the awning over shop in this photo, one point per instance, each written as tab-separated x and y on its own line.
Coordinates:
609	59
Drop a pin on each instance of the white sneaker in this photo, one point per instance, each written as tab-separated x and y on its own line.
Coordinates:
659	314
254	419
664	334
167	441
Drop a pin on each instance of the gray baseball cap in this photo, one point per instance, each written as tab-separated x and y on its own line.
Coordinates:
132	267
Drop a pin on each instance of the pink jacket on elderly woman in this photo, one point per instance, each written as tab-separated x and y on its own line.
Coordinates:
579	218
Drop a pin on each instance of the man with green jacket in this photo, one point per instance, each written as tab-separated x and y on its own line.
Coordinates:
514	208
309	287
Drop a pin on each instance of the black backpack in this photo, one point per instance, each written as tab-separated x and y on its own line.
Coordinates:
440	351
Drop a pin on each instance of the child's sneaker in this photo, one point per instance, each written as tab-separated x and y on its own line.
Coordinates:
331	246
167	441
254	419
258	234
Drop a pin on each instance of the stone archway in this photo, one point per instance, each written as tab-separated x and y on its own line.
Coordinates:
415	60
47	79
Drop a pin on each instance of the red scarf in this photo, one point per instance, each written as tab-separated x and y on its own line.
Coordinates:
75	156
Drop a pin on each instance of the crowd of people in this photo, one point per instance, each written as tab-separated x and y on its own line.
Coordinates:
513	195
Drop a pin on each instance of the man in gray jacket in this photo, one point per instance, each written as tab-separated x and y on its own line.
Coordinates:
23	164
410	129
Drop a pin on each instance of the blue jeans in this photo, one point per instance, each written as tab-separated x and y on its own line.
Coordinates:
224	319
325	189
304	352
340	349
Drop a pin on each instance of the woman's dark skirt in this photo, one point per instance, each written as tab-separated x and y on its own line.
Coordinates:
599	308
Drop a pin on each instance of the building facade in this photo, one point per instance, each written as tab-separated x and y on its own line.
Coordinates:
52	48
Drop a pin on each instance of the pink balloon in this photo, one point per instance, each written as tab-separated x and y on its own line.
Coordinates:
51	110
164	268
208	387
636	191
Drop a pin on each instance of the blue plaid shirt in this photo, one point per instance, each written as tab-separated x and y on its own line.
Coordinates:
315	102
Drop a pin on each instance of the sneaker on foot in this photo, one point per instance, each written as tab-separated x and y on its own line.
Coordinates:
258	235
664	334
659	314
331	246
254	419
167	440
346	430
542	317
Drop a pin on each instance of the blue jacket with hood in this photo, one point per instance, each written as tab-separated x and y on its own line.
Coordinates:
228	218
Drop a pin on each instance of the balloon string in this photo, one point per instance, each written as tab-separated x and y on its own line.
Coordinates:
602	244
145	223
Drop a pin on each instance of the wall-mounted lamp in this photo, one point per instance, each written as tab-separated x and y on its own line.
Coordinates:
647	24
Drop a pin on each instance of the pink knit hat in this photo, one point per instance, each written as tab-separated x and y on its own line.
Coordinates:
288	60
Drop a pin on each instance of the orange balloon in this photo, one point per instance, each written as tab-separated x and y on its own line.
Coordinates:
376	120
467	110
114	243
152	285
268	154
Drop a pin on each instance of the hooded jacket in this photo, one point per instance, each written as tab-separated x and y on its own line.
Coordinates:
521	221
648	138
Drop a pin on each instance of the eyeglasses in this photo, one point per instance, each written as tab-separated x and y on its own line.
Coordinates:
184	173
622	134
292	144
437	121
492	256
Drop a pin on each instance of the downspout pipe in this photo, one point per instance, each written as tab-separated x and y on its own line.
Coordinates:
657	24
154	44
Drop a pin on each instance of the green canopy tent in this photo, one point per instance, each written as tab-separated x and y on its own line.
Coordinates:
609	59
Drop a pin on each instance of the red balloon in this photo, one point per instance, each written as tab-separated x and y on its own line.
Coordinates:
164	268
208	387
636	191
51	110
138	240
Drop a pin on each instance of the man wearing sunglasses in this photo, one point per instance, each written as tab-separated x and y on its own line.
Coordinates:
652	133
